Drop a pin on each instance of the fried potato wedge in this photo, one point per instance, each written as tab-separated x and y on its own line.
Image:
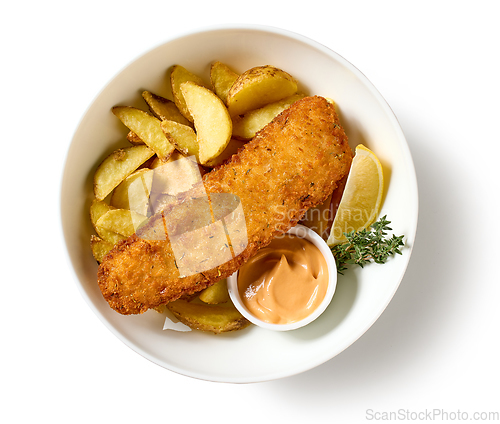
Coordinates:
258	87
159	162
98	209
163	108
178	76
182	137
133	192
222	78
121	221
319	219
175	177
216	293
134	139
214	318
118	166
246	126
230	150
156	162
146	127
99	247
211	120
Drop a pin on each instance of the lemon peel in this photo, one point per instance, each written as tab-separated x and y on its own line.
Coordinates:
362	197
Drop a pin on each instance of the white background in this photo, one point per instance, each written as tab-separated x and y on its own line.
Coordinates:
437	344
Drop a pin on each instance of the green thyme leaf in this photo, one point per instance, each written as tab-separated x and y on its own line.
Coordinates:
367	245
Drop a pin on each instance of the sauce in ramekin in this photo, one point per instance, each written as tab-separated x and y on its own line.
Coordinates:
285	281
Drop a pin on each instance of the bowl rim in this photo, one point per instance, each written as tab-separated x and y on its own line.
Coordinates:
64	229
308	234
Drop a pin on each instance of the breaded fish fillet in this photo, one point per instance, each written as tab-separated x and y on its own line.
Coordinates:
292	164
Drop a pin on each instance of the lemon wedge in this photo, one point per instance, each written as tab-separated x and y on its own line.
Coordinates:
362	197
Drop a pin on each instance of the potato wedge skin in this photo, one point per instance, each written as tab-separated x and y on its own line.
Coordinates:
157	162
211	120
259	86
178	76
222	78
134	139
146	127
118	166
213	318
163	108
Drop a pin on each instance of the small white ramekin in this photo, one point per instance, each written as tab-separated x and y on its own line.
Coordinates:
307	234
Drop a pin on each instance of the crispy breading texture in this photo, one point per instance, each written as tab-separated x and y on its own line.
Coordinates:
291	165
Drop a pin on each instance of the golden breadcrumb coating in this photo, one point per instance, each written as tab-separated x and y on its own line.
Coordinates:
291	165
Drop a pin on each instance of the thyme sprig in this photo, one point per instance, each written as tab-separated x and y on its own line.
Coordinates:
367	245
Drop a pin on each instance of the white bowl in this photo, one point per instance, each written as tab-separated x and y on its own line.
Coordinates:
309	235
361	294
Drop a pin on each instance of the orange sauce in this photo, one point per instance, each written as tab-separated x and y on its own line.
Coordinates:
285	281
